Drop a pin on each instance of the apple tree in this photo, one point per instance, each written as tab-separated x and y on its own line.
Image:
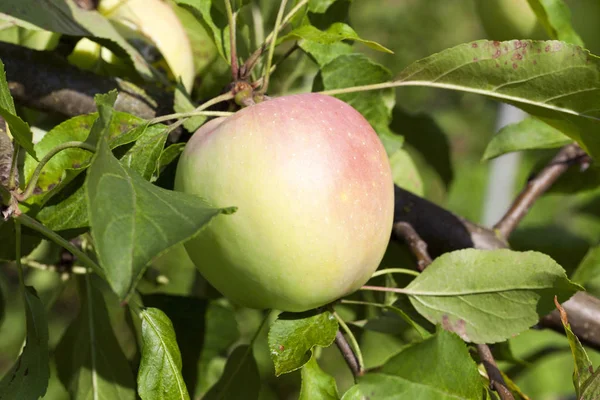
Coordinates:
255	199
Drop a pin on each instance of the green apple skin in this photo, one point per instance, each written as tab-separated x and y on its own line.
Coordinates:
509	19
315	198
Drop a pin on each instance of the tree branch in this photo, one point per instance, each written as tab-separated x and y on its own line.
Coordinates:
566	157
419	248
44	80
494	374
347	353
417	245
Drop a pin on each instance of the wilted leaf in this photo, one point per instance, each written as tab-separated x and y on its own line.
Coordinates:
89	359
159	376
555	16
28	378
316	383
66	17
18	128
529	134
335	33
583	366
292	337
132	221
240	380
488	296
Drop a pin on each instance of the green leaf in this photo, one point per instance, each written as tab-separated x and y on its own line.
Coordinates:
167	156
18	128
68	210
555	17
144	156
583	366
68	164
89	360
66	17
488	296
28	378
319	6
317	384
183	103
357	69
132	221
528	134
293	335
405	173
201	9
424	134
189	317
591	388
523	73
240	380
104	103
323	54
588	272
29	240
159	376
335	33
388	387
439	362
221	332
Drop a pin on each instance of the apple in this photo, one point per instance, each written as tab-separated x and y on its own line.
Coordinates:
509	19
315	197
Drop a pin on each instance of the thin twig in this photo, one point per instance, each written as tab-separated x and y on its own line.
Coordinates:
253	59
417	245
353	344
566	157
347	352
495	376
267	74
235	69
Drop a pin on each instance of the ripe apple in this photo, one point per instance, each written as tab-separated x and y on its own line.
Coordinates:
315	199
509	19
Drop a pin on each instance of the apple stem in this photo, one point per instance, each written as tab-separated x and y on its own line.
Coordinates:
267	73
353	343
235	70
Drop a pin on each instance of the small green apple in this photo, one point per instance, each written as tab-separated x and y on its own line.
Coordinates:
315	198
509	19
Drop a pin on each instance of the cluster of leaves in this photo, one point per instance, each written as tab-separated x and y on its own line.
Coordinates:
98	186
